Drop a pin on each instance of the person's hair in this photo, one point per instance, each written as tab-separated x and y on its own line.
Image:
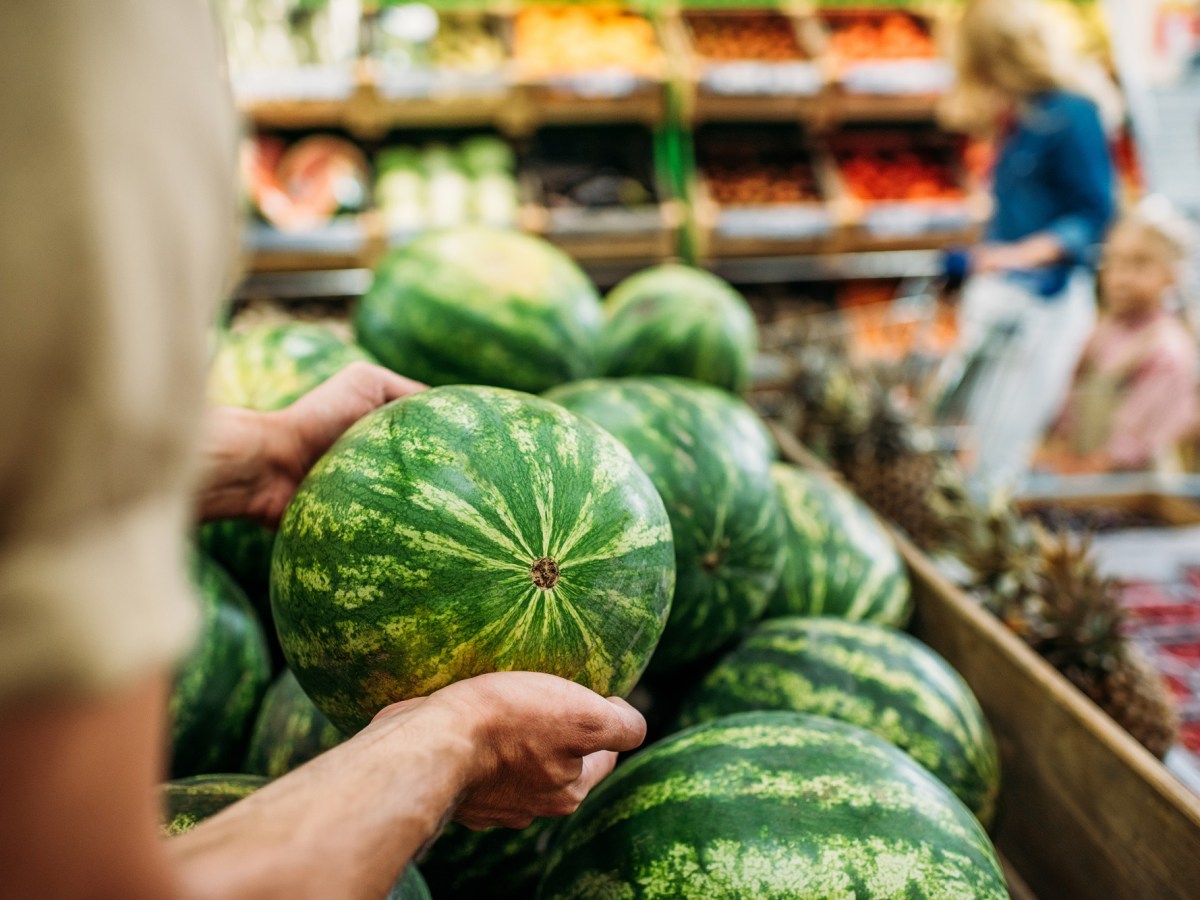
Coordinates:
1158	220
1008	50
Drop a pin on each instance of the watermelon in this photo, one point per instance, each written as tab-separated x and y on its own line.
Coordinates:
499	863
868	675
839	560
266	367
772	805
465	530
676	320
480	306
220	684
189	801
709	456
289	731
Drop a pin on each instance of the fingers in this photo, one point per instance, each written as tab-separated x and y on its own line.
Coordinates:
596	768
610	724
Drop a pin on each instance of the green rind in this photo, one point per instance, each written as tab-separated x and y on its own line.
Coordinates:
838	559
266	367
479	306
676	320
500	863
709	456
867	675
220	684
411	886
772	805
189	801
289	730
404	561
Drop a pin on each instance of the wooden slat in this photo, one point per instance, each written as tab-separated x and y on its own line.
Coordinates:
1085	811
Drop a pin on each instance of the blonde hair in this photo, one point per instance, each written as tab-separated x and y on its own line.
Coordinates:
1008	50
1158	220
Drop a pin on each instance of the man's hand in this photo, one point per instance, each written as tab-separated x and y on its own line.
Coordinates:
1022	256
541	743
253	462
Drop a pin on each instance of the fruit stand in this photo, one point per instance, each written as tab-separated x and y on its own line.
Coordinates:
709	238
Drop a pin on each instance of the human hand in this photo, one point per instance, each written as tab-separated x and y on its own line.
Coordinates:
1021	256
540	743
255	461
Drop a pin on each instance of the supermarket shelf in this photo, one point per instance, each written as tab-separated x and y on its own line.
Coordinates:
831	267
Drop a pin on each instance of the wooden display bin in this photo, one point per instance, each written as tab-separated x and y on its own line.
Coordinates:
1085	811
347	242
908	224
753	228
304	97
748	90
885	89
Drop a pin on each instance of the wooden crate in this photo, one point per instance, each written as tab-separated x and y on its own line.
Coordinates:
747	90
1085	811
1170	510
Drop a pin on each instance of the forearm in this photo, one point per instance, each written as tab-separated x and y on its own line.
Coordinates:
345	825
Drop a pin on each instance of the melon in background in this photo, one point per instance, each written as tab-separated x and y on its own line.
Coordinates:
499	863
219	685
838	559
289	730
466	530
481	306
867	675
709	456
676	320
772	805
266	367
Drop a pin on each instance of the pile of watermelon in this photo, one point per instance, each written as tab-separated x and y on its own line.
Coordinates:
631	530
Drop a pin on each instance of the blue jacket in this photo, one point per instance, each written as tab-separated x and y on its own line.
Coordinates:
1054	174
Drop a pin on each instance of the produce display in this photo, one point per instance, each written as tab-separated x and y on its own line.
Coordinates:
499	863
289	730
189	801
598	168
413	36
266	367
476	305
438	186
772	804
756	167
565	40
870	36
839	560
744	36
676	320
303	185
466	530
709	456
867	675
899	174
286	34
219	685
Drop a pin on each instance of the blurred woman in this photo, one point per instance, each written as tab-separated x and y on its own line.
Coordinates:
1134	394
1028	303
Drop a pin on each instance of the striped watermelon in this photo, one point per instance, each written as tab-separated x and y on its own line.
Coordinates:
219	686
266	367
867	675
839	560
676	320
289	731
499	863
189	801
479	306
709	456
466	530
772	805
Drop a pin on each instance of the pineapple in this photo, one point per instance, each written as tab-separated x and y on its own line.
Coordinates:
1046	588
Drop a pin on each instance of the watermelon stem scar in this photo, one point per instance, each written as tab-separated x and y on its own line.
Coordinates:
544	573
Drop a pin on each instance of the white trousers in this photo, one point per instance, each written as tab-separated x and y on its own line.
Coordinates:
1033	346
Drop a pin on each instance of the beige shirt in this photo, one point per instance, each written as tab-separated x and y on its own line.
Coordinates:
117	201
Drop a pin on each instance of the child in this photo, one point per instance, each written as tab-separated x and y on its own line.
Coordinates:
1134	393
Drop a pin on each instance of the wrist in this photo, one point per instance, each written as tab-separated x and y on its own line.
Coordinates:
234	453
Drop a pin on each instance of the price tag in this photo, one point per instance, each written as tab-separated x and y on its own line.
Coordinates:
798	221
750	78
901	77
904	219
600	84
317	83
396	83
606	220
342	235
